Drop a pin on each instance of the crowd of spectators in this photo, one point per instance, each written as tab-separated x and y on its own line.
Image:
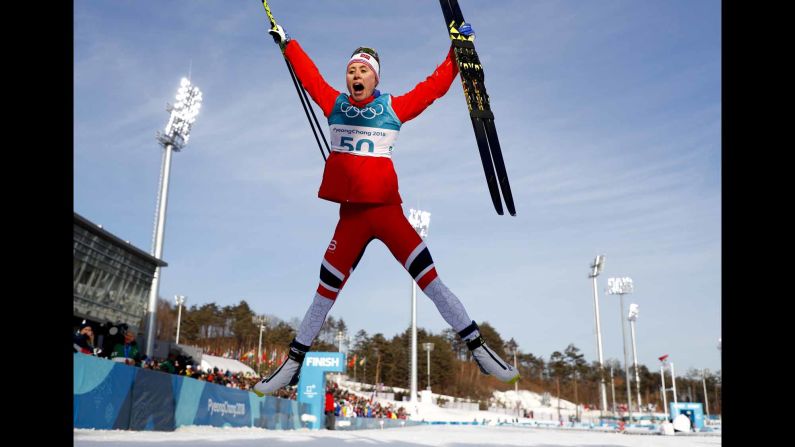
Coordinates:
122	347
350	405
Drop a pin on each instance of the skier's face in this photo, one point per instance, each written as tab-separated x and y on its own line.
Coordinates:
361	81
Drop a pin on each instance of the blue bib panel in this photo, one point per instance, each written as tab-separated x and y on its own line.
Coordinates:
368	131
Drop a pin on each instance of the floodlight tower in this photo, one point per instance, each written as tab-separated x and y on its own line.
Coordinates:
174	138
596	269
420	220
428	348
621	287
634	310
180	300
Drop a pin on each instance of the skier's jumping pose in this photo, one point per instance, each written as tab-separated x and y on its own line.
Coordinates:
359	175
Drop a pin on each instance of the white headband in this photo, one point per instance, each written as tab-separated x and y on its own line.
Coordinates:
368	60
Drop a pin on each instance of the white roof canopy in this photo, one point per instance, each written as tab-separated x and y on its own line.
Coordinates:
224	364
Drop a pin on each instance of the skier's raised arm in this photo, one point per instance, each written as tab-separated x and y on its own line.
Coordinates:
321	92
411	104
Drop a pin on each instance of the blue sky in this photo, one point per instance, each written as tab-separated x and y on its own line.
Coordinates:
609	116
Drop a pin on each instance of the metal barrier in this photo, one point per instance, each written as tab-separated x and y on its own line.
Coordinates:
362	423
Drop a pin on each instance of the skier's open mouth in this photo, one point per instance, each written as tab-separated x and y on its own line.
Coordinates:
358	87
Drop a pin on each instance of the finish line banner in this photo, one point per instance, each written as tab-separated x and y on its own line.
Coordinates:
312	384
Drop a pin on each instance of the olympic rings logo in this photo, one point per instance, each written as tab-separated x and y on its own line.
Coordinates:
367	113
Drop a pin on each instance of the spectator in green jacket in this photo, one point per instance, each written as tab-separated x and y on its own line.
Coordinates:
127	352
170	365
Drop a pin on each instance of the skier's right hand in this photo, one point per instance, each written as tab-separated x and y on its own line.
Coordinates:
466	30
279	36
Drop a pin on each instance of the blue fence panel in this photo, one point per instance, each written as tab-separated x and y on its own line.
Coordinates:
188	396
220	406
153	401
110	395
102	393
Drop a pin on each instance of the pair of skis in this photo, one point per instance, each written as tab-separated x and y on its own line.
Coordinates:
479	109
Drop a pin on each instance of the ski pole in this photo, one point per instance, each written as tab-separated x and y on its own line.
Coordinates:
302	96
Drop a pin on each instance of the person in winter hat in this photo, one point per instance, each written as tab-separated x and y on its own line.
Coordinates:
359	175
83	340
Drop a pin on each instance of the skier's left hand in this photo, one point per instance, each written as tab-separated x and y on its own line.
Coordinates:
279	36
466	30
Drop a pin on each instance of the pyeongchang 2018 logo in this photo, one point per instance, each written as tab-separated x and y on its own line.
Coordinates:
225	408
310	391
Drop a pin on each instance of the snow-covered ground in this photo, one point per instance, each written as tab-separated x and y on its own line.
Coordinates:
542	431
491	434
437	435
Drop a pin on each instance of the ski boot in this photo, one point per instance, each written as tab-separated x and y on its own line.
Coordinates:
488	361
287	374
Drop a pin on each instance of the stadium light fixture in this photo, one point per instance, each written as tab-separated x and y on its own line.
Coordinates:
174	138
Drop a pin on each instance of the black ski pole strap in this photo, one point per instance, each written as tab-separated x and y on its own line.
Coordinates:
468	330
297	351
476	343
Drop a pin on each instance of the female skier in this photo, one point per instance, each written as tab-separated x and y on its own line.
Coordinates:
359	175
